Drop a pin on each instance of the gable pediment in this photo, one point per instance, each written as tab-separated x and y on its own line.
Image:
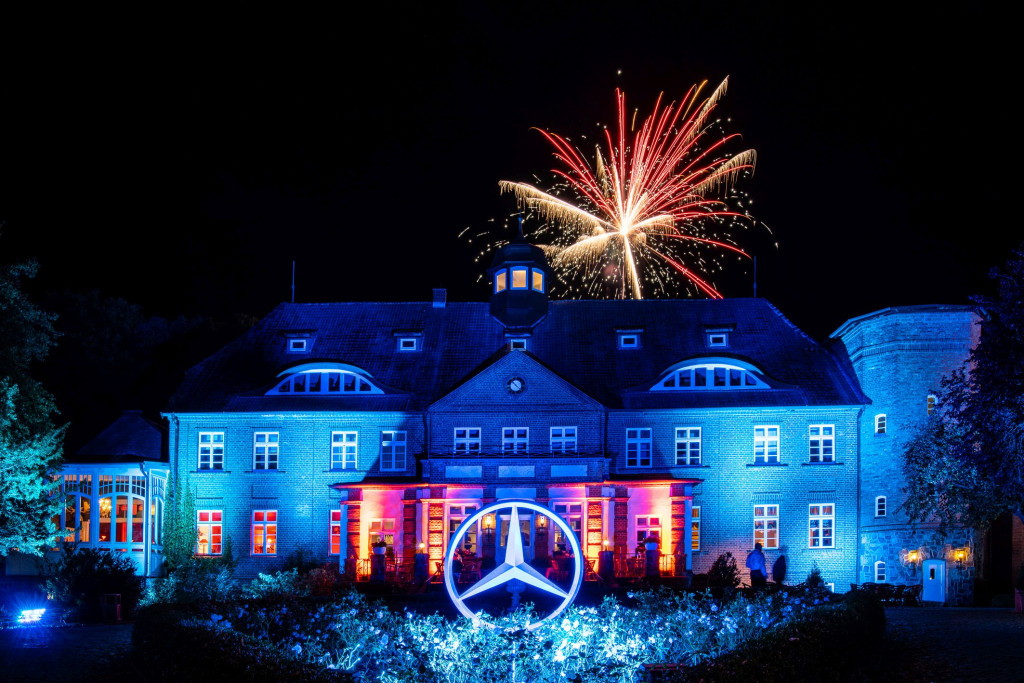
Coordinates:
516	381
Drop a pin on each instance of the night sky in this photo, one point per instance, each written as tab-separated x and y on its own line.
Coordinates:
182	161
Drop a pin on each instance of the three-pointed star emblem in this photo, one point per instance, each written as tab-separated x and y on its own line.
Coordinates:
514	567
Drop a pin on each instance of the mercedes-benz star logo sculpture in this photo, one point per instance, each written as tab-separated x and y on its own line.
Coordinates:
515	567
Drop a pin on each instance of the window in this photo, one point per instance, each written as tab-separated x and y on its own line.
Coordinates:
208	531
297	346
821	521
467	440
718	339
766	444
500	281
766	526
344	446
880	423
211	450
335	532
880	572
695	528
880	506
932	402
638	447
572	513
629	341
265	450
382	528
392	451
519	344
711	374
457	514
687	445
408	344
316	381
647	526
822	443
519	277
264	532
538	280
563	439
515	440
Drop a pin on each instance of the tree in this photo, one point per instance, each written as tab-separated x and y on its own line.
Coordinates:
30	444
966	464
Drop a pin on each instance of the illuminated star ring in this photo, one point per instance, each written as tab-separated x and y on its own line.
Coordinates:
514	566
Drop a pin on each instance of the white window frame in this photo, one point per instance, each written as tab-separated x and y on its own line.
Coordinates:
334	533
517	344
932	402
647	525
880	423
563	439
383	527
767	446
407	344
711	374
515	440
629	340
457	514
266	450
718	339
766	520
880	571
688	446
572	512
344	450
467	441
268	527
393	450
214	460
881	506
639	447
821	525
500	281
214	529
298	345
695	528
821	443
537	280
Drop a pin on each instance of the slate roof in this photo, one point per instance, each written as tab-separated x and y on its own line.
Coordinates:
131	437
577	339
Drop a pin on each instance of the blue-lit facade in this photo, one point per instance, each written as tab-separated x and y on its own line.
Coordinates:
711	425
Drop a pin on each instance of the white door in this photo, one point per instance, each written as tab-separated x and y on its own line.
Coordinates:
934	581
526	531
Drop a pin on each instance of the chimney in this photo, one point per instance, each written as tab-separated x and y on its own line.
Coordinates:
440	297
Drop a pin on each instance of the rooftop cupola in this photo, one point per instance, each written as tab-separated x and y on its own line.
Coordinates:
519	278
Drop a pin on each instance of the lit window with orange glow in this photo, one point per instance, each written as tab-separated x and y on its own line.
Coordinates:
500	281
538	280
335	534
208	532
264	532
519	278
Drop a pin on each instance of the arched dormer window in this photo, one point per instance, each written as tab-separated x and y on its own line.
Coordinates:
710	374
318	379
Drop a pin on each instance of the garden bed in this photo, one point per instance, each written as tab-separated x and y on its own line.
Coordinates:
660	634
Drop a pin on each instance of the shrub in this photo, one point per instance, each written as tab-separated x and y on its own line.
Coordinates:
82	576
283	584
302	560
724	573
322	580
194	580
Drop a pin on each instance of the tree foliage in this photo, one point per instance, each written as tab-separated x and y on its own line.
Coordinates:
966	464
30	444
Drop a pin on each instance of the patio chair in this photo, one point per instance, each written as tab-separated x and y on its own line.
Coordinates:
912	595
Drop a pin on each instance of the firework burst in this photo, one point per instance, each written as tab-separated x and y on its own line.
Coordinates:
655	209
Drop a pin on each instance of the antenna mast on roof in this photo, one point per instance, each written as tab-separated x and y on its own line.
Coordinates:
293	281
755	277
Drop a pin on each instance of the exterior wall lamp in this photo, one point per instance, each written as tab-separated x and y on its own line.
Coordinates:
542	522
489	524
960	556
913	557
